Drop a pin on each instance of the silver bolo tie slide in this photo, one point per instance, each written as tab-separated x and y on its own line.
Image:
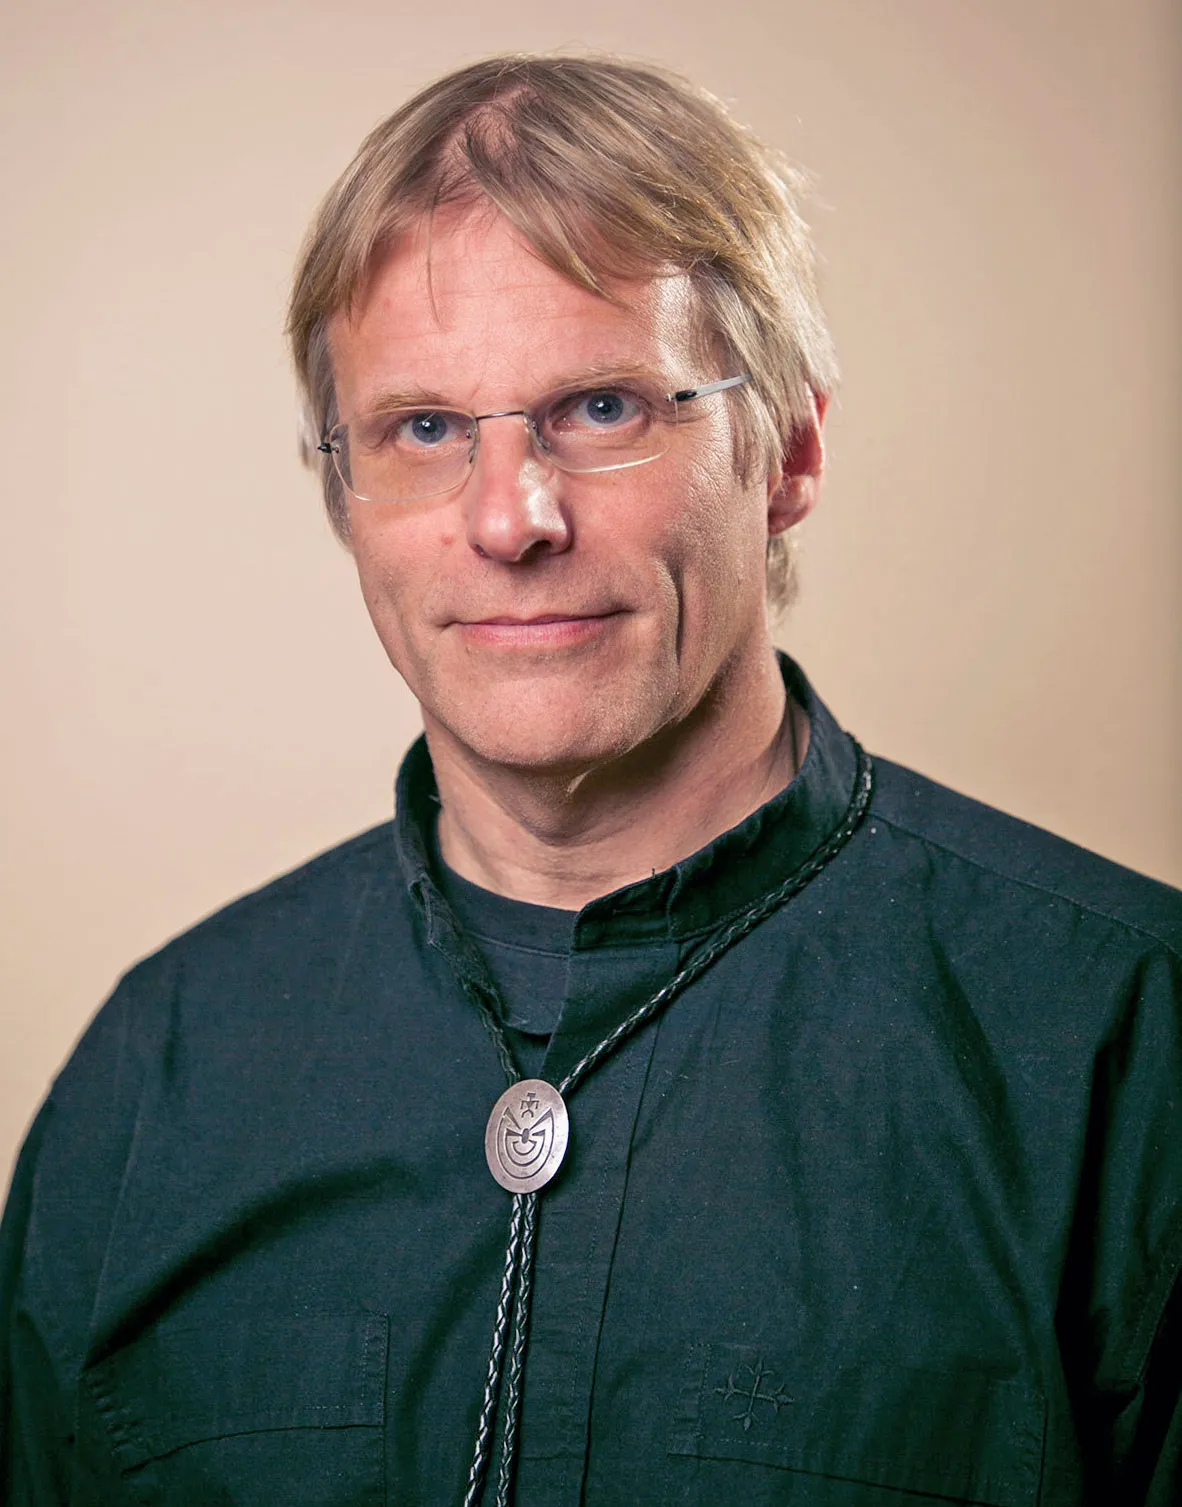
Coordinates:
525	1139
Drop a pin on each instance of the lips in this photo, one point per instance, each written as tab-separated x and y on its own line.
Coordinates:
538	630
540	619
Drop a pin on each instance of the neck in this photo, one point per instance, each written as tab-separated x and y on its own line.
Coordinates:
563	840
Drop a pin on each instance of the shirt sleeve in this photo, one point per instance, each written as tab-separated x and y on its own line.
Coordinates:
1150	1426
34	1436
1134	1210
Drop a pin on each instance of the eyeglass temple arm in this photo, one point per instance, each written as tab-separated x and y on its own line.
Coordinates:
687	393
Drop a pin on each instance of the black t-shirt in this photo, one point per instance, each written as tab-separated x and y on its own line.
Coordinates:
526	949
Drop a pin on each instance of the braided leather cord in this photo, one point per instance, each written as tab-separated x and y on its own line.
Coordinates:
493	1026
522	1296
736	930
519	1256
492	1383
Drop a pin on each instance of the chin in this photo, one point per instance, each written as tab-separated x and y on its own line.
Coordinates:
550	734
546	749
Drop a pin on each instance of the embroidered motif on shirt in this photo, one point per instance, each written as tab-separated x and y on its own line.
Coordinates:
733	1392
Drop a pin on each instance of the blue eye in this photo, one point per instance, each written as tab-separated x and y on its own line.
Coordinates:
427	428
604	408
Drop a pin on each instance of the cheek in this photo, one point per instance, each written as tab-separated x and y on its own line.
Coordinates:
390	560
715	539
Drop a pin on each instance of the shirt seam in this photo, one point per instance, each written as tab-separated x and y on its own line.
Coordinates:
1155	1299
361	905
31	1292
1041	889
350	852
523	947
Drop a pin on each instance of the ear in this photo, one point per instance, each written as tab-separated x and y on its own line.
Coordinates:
792	491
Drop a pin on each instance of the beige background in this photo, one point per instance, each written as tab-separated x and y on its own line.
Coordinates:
192	697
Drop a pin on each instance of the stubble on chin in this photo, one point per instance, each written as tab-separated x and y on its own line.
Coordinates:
542	726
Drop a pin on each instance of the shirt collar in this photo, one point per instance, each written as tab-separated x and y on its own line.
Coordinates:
703	890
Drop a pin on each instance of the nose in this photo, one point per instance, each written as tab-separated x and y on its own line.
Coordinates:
514	511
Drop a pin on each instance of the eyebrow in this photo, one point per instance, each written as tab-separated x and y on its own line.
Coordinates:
391	398
405	397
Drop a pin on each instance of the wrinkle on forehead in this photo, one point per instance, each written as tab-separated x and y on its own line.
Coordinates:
489	239
454	280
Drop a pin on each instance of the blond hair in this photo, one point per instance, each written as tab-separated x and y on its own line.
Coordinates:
608	170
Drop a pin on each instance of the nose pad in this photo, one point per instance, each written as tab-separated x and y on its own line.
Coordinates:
537	438
514	510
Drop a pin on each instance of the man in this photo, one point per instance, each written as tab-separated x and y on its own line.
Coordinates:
673	1105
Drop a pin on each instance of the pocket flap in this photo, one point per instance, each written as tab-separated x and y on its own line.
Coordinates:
178	1385
965	1435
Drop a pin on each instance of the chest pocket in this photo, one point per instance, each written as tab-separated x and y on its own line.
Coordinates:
278	1409
857	1436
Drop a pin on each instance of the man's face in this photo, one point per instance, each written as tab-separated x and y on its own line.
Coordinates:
546	620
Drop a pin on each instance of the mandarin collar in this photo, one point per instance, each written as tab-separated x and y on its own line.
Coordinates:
702	891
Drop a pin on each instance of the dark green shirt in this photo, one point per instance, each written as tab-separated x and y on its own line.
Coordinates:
887	1207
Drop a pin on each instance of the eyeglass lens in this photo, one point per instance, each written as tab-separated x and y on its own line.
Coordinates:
408	453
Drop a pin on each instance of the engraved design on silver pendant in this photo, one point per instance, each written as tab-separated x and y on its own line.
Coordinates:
526	1137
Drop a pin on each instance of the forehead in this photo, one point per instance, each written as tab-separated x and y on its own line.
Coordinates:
463	306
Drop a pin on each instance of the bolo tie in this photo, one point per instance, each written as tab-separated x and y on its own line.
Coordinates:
527	1136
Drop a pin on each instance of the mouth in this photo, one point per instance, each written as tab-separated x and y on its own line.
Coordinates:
541	630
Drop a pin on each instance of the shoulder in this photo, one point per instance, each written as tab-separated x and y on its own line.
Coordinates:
303	911
1056	975
237	988
285	939
322	891
1023	867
